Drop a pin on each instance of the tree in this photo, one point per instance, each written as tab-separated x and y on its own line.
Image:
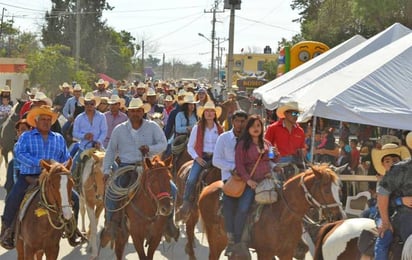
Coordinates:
53	65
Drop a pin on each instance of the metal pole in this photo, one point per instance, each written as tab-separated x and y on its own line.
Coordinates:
212	60
230	55
163	67
77	34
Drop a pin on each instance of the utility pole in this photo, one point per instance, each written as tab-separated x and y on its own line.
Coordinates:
77	34
219	55
232	5
1	27
163	67
144	75
212	59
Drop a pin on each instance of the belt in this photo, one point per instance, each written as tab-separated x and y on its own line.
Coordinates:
207	155
122	164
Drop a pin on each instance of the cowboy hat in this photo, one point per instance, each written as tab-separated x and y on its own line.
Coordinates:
189	86
89	97
123	88
77	87
209	105
408	140
137	103
181	93
5	89
102	82
32	92
40	96
116	99
151	93
189	98
291	105
169	98
141	85
65	85
42	110
388	149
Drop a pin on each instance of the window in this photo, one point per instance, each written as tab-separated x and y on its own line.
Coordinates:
260	65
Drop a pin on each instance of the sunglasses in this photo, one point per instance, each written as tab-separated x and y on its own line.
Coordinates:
89	103
295	113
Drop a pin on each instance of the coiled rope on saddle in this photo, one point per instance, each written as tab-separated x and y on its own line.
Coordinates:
115	192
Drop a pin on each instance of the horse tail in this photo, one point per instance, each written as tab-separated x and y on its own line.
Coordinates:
407	249
319	240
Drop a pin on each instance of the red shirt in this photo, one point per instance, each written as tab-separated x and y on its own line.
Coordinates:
286	143
355	159
25	108
245	160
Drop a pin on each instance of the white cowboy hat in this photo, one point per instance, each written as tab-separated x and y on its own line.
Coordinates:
169	98
141	85
32	92
209	105
65	85
291	105
102	82
89	97
137	103
151	92
190	98
116	99
181	93
408	140
5	89
42	110
123	88
387	149
77	87
40	96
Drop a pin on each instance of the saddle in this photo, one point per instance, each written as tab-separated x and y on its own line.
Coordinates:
201	182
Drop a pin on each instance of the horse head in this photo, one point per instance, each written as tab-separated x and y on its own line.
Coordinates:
156	182
321	186
56	187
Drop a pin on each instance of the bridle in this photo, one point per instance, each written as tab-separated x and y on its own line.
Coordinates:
312	202
62	223
162	195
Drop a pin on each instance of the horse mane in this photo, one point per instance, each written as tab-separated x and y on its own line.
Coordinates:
322	171
55	167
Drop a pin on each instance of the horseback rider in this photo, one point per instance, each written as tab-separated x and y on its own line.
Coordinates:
224	158
61	99
72	108
148	140
201	145
89	127
33	146
114	116
395	186
286	134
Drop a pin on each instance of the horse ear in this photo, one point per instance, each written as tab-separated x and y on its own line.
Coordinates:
340	169
69	164
168	161
44	164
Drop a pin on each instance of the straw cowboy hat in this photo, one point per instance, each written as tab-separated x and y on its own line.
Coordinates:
65	85
408	140
40	96
291	105
137	103
190	98
169	98
209	105
42	110
123	88
89	97
5	89
102	82
181	93
116	99
388	149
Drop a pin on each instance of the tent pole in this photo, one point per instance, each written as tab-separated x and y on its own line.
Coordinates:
312	145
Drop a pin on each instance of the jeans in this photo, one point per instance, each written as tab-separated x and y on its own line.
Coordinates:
382	245
230	205
9	177
76	160
244	203
193	178
286	159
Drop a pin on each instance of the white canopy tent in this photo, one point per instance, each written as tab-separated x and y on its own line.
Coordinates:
375	90
309	65
272	96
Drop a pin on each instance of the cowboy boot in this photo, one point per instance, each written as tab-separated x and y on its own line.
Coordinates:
171	230
230	244
77	238
6	237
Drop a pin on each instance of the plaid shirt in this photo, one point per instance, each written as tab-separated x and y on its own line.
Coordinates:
31	148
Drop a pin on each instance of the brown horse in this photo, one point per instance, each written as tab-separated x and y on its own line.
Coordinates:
207	176
148	209
229	106
48	215
278	230
91	194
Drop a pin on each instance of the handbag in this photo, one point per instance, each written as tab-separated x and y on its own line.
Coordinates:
265	192
235	186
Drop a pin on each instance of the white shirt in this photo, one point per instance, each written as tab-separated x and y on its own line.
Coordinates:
224	153
209	141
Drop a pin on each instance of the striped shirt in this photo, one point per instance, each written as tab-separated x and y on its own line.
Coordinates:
31	148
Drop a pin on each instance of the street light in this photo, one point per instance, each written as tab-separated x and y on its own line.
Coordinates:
212	59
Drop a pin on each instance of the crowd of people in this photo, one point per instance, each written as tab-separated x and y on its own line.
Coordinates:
118	120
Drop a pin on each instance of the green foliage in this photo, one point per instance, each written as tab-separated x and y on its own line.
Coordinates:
271	69
50	67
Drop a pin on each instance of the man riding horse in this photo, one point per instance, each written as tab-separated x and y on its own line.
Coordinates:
33	146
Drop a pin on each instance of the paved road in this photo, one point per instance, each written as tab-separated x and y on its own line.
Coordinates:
174	250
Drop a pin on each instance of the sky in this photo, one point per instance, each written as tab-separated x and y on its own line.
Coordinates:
171	27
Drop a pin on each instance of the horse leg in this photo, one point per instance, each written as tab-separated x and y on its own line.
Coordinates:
29	252
92	247
52	252
20	249
120	241
190	233
82	208
217	240
138	241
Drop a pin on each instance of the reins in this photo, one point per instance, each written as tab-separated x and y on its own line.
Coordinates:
68	226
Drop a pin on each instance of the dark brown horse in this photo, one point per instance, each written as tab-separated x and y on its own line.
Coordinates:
207	176
279	228
147	212
49	214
